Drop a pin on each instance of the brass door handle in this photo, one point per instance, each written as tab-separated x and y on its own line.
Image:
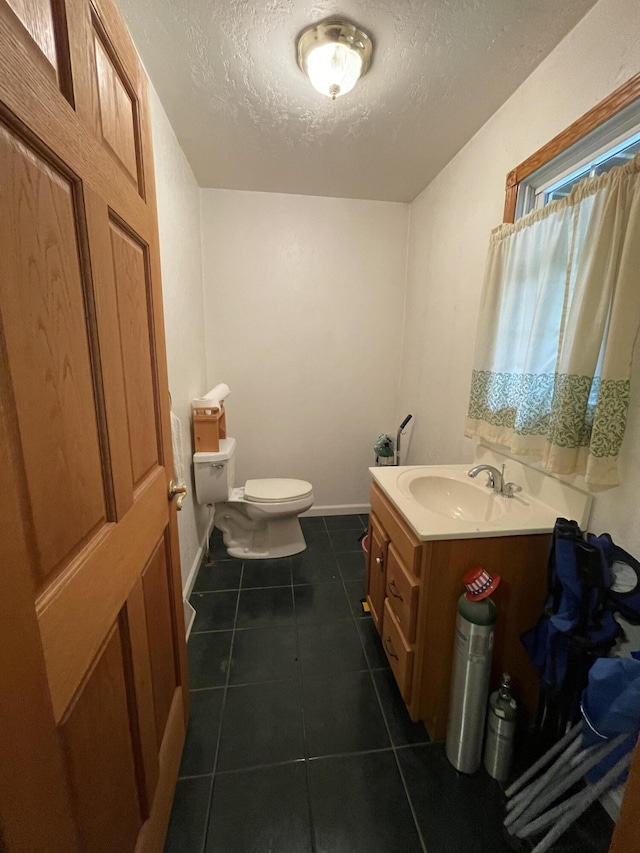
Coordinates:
177	492
393	590
380	562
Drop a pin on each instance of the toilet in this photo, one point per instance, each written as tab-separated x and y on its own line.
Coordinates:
258	520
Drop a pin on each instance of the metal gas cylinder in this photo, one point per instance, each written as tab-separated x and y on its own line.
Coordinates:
501	730
473	648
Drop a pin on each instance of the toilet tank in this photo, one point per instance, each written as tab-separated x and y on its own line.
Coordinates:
214	473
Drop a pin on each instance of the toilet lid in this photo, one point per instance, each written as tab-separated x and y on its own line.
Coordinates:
281	489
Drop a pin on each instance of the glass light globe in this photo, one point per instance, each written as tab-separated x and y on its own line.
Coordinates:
334	69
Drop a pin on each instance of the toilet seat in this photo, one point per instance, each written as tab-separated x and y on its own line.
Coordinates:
277	490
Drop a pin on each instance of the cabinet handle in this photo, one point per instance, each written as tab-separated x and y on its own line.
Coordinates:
390	650
380	562
393	590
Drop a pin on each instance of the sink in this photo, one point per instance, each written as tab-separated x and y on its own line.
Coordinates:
443	502
452	497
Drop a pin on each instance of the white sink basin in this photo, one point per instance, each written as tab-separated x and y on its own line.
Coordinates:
442	502
452	498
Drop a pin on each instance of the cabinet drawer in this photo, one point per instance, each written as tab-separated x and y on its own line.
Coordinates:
406	542
402	592
398	651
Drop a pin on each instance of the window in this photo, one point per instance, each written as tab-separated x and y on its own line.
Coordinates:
614	120
560	308
598	165
613	143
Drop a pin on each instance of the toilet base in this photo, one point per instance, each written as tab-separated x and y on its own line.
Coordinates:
258	539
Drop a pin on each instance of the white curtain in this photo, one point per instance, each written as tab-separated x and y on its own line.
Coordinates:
559	317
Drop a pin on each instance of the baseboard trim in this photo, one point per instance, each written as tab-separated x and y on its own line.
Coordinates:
337	509
189	617
189	612
193	571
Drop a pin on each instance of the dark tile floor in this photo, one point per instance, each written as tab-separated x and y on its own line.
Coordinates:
298	739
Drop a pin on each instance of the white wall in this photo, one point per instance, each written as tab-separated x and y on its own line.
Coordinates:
181	260
303	296
450	225
303	311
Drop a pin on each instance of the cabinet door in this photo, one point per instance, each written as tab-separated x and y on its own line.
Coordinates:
402	590
376	576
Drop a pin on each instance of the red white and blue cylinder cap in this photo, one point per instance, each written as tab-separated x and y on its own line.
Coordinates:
479	583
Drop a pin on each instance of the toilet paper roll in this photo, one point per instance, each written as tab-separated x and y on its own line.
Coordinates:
217	394
220	392
211	402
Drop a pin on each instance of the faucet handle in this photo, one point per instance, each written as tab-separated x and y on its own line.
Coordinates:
510	489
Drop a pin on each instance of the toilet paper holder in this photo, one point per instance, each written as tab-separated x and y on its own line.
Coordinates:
209	426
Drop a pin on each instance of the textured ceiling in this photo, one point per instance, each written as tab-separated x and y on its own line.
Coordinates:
248	119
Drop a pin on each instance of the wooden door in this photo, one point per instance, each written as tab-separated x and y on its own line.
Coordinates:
92	653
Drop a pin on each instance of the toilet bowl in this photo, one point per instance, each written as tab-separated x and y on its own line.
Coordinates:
258	520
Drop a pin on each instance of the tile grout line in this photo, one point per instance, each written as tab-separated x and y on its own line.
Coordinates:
399	732
409	800
312	833
331	756
388	728
307	759
394	750
392	747
221	724
300	678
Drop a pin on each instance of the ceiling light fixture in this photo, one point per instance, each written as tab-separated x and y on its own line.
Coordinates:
334	54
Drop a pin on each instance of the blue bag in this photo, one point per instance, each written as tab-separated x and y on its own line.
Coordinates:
611	706
576	625
623	595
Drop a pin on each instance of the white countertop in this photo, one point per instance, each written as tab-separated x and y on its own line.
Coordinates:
533	510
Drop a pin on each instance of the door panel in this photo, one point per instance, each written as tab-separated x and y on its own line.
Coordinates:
131	276
118	109
92	651
108	323
36	16
97	743
32	761
78	611
159	631
41	283
145	737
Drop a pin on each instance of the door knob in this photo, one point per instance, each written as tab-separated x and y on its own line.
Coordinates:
177	493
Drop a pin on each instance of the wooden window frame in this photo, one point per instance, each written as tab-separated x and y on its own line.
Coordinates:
614	103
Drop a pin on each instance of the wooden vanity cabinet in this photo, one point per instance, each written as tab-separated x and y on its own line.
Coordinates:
376	570
413	589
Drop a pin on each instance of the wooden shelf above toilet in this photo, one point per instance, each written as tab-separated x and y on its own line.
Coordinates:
209	427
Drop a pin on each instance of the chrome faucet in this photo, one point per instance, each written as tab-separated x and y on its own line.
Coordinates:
495	480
